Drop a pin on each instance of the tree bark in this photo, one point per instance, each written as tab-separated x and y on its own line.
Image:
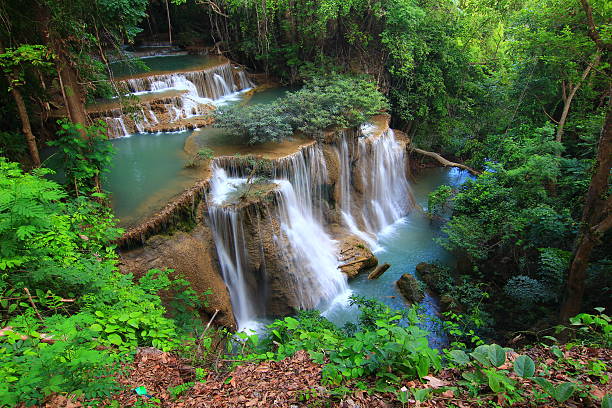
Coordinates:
567	98
72	91
596	220
27	129
446	163
25	121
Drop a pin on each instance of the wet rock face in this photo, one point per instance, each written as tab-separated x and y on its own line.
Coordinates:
191	255
355	256
410	288
269	271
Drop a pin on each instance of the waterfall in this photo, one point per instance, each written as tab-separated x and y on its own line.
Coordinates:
387	195
302	248
307	173
222	85
243	80
116	127
153	117
211	83
309	249
228	233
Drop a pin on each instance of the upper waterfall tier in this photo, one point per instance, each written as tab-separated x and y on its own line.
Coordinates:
172	100
211	83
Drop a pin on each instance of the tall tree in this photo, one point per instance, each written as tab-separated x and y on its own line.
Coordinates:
10	63
596	221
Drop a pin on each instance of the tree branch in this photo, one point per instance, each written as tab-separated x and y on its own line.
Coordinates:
593	33
444	162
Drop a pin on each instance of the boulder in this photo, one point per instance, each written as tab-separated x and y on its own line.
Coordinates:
410	288
355	256
192	255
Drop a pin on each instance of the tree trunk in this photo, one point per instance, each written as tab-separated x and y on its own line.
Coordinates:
596	220
71	89
27	129
169	24
25	121
567	99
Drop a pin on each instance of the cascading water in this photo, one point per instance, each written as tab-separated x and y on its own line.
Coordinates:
345	176
228	233
381	166
197	89
116	126
309	249
211	83
372	194
304	248
386	191
307	173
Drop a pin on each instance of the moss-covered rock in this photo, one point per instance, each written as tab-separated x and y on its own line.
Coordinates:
437	277
410	288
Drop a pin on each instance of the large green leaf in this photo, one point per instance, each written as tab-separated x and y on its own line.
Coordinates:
524	366
497	355
564	391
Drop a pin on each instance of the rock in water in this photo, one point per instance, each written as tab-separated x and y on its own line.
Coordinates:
380	269
410	288
356	255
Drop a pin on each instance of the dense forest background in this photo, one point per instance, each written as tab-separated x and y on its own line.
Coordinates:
517	90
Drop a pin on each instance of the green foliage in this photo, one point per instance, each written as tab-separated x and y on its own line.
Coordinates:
86	153
26	203
512	224
13	61
332	101
379	345
438	201
483	368
593	329
254	124
68	315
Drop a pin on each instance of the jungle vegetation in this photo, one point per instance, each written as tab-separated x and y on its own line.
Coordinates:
519	90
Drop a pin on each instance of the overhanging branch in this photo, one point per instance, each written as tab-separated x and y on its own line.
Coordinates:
444	162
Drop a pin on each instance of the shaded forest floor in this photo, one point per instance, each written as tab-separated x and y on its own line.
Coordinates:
295	382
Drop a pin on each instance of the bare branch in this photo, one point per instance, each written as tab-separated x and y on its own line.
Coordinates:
444	162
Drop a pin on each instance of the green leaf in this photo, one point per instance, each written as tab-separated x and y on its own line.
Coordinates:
140	390
421	394
564	391
292	323
115	339
96	327
545	384
606	402
524	366
422	366
459	357
497	355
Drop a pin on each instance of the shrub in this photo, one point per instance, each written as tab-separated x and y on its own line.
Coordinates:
379	345
67	314
333	101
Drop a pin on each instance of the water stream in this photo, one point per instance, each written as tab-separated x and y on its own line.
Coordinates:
404	244
149	169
